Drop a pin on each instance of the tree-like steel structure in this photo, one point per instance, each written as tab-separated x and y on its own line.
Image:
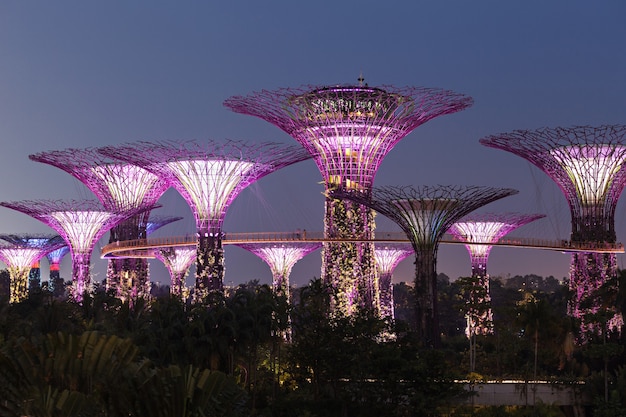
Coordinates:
208	175
177	260
119	187
388	256
484	228
281	257
588	164
81	223
425	214
21	255
349	130
55	257
154	223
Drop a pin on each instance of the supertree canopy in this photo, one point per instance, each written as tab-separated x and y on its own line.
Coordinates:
349	130
119	187
177	260
587	163
281	257
208	175
388	256
20	256
425	214
154	223
484	228
80	223
54	260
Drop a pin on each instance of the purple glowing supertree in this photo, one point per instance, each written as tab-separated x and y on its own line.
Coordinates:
20	256
54	260
349	130
388	256
425	214
281	257
587	163
208	175
177	260
484	228
81	224
119	187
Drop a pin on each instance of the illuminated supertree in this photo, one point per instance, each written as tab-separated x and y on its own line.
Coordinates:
156	222
587	163
177	260
81	224
349	130
425	214
119	187
388	256
54	260
484	228
281	257
44	242
208	175
20	255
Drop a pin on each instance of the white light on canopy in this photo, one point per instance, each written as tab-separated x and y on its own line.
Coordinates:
81	227
20	257
388	258
210	182
128	184
591	168
483	232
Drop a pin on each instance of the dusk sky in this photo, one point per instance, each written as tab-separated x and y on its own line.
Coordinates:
88	74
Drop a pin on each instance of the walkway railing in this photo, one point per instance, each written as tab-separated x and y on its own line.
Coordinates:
143	248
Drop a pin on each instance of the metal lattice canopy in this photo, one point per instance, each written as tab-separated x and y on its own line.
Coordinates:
349	129
156	222
488	228
389	255
55	256
47	242
177	260
118	186
586	162
208	174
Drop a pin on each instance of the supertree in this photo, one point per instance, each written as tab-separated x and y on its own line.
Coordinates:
388	256
587	163
349	130
119	187
41	241
425	214
485	229
54	260
208	175
281	257
20	255
177	260
81	223
156	222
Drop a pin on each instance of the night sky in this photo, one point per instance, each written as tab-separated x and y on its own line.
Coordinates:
82	74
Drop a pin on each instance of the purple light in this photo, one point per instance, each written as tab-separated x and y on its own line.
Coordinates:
388	256
177	260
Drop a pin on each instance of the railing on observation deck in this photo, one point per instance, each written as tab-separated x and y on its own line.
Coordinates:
143	247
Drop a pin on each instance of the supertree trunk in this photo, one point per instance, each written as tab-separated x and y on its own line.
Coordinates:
426	297
349	267
19	284
82	275
209	265
386	295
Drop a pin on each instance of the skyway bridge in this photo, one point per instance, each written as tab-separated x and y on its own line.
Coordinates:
145	248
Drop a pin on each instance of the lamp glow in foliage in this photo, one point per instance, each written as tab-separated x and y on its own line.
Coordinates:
208	175
119	187
20	255
281	258
425	214
177	260
484	228
81	224
588	164
349	130
388	256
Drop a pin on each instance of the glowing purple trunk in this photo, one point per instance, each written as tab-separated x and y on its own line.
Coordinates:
81	275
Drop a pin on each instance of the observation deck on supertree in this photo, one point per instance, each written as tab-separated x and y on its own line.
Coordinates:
54	260
209	175
484	228
281	257
349	130
177	260
425	214
119	187
20	255
80	223
388	256
587	163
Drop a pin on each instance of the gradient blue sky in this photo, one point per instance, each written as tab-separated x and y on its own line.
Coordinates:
79	74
